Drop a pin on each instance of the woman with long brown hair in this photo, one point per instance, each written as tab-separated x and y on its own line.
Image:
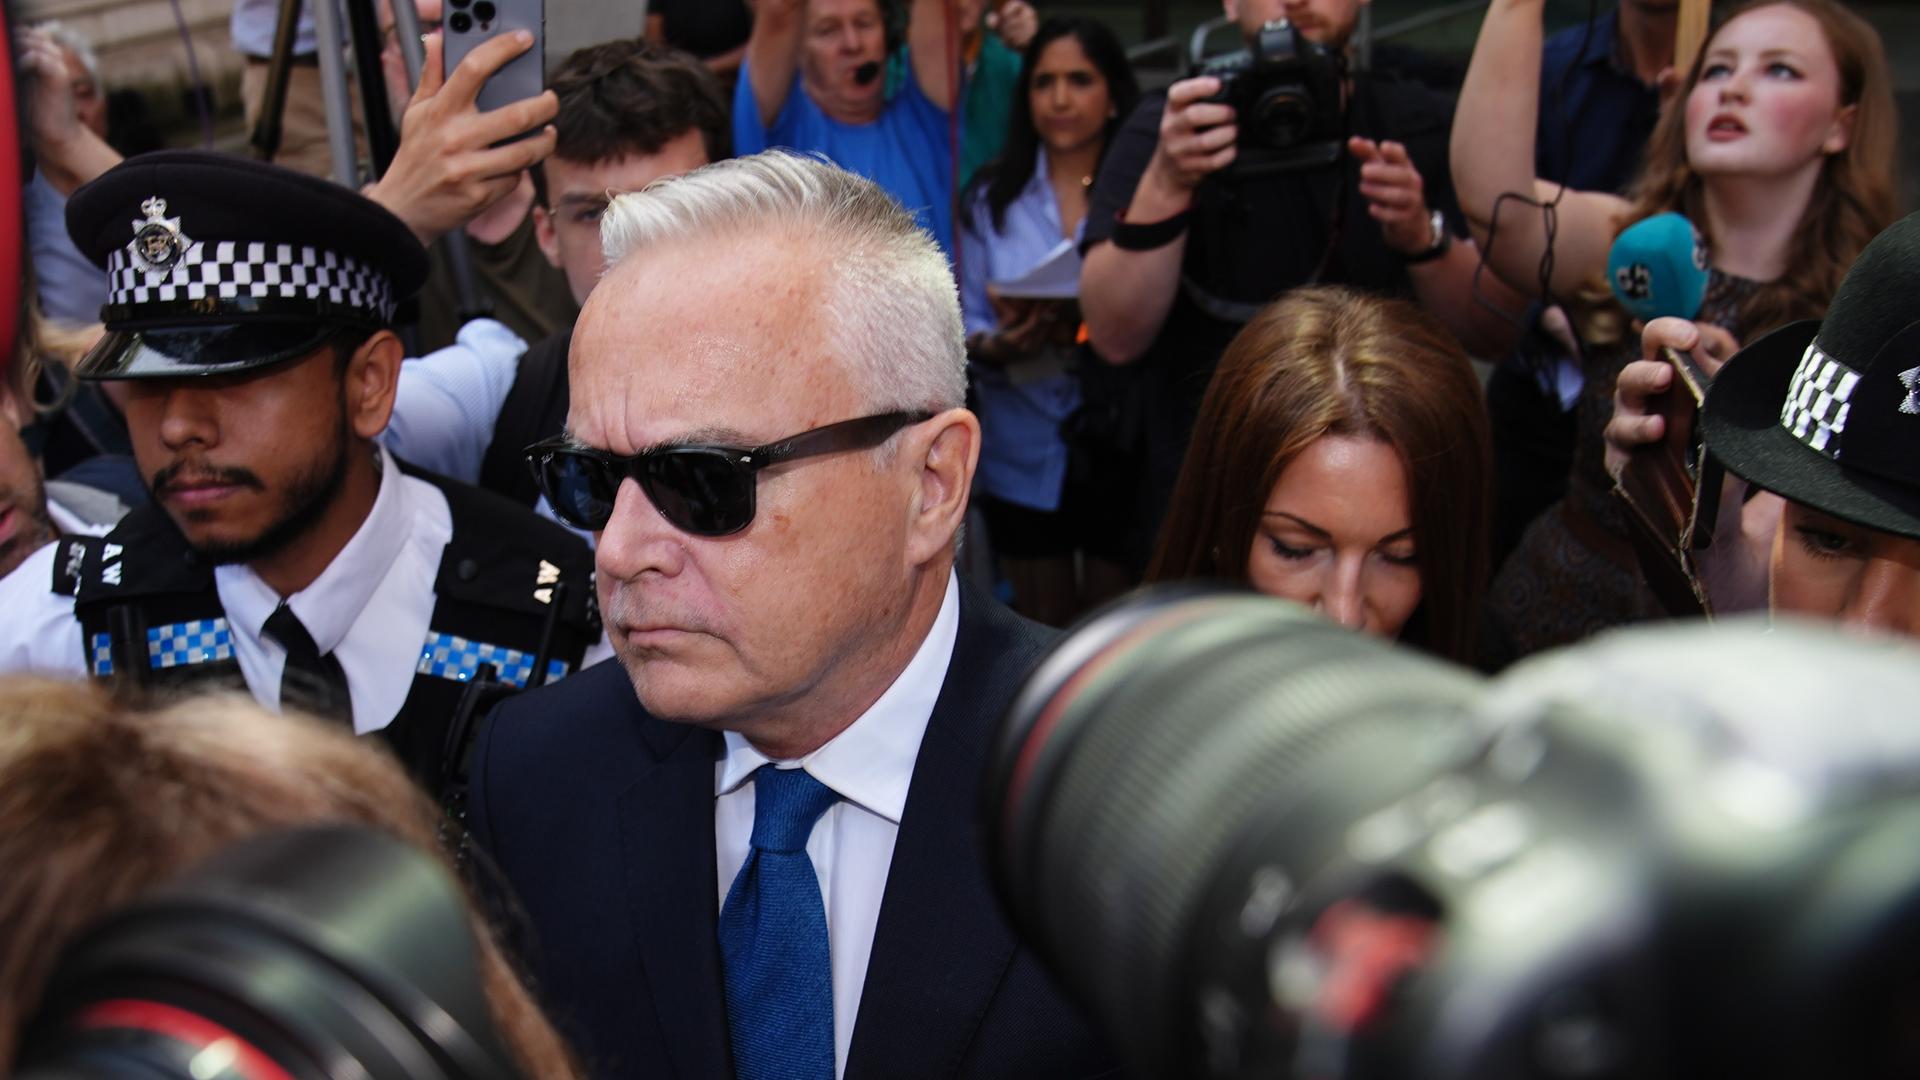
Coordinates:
100	802
1780	148
1341	459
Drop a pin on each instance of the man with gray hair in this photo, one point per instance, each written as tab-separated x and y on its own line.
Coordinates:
748	848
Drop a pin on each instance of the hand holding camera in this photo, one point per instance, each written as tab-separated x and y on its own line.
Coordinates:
1198	136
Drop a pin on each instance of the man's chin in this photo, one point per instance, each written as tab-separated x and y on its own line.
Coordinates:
221	546
679	693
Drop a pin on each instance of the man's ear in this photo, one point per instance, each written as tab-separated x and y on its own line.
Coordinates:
945	449
546	235
370	383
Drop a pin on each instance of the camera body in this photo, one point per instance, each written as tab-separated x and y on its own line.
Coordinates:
1285	93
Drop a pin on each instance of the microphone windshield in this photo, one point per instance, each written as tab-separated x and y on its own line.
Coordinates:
867	72
1658	267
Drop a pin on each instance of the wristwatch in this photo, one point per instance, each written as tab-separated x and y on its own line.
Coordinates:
1442	239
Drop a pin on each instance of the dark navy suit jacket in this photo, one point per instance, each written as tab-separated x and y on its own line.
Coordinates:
601	818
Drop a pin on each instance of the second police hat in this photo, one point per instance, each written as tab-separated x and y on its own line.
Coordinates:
1828	413
219	264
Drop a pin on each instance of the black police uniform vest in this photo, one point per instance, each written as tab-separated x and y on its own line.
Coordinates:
509	584
535	409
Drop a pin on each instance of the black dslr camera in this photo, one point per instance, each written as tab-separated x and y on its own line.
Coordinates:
1285	93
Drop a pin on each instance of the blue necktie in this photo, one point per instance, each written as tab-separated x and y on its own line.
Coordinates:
773	938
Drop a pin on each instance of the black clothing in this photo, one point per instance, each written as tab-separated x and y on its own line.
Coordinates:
151	612
310	680
1252	239
601	818
705	27
535	409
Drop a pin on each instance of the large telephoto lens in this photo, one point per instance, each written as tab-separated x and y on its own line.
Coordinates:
1159	762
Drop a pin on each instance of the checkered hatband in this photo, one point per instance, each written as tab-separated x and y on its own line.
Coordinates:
1816	408
201	641
449	656
248	277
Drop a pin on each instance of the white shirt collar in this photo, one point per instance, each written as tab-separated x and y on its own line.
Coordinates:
329	606
870	764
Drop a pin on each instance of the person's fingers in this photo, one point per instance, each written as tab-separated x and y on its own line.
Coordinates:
431	77
1717	346
511	158
1364	149
1213	138
1203	115
465	80
1628	432
1668	333
1639	381
1395	154
1218	161
513	118
1187	91
1391	197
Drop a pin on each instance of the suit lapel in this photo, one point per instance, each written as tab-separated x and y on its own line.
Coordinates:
666	832
939	947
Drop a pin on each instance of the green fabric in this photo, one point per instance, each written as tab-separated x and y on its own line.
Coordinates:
989	106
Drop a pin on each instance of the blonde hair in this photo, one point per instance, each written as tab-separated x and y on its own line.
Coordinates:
101	801
893	304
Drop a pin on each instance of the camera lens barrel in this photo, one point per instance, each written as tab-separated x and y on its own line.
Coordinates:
1148	749
304	952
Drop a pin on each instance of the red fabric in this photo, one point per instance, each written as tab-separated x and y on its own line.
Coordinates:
13	226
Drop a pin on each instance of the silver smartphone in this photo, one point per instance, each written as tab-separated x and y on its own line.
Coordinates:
470	23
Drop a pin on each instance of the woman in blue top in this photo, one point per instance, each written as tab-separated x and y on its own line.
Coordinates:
1023	210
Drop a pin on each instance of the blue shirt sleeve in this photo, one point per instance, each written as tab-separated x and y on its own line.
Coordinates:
447	401
749	134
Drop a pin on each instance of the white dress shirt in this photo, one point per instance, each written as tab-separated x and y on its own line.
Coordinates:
369	607
448	401
869	765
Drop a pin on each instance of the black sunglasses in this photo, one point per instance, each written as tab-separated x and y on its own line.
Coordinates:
703	490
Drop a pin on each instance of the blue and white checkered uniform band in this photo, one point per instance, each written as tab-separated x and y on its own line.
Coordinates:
450	656
232	270
202	641
1816	408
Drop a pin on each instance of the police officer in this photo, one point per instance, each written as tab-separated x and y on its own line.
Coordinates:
247	323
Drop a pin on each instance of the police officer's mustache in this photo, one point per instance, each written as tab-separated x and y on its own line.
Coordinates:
184	474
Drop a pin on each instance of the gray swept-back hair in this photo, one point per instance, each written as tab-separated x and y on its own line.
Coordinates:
891	303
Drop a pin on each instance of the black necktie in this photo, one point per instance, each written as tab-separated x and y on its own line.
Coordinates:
310	681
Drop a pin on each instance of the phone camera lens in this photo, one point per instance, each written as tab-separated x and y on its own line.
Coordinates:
484	11
461	22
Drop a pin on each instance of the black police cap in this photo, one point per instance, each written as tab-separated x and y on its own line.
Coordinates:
218	264
1828	413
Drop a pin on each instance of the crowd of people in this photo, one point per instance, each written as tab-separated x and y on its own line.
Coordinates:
898	316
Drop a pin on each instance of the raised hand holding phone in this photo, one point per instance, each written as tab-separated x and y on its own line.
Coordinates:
455	160
1672	491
